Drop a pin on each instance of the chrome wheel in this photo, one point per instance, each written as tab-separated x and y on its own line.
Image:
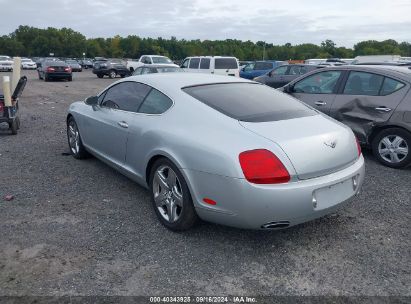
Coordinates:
168	194
74	137
112	74
393	148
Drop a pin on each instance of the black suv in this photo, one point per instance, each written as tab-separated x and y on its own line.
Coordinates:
111	68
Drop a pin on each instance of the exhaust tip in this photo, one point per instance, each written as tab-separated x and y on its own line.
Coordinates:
276	225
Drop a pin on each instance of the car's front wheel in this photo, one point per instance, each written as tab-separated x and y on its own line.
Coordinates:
112	74
392	147
74	140
171	197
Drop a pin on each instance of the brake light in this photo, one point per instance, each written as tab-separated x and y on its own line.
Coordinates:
67	69
50	69
263	167
358	146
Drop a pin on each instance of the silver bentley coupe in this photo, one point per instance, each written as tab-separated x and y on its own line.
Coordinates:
219	148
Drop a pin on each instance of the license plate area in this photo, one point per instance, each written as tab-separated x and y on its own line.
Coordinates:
332	195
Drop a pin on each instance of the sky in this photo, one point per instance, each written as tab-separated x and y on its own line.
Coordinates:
295	21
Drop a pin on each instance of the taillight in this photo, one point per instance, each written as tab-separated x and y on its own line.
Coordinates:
50	69
263	167
358	146
1	106
68	69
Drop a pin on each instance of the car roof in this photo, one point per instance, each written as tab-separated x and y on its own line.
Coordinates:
157	66
172	83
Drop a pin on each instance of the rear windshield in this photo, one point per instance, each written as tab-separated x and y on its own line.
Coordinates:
226	63
249	101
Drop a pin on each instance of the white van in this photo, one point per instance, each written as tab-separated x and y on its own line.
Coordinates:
219	65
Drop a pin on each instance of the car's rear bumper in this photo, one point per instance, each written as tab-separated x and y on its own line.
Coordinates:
245	205
59	75
6	68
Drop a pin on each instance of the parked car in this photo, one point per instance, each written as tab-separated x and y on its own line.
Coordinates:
6	63
111	68
283	74
149	59
55	70
156	68
219	65
375	101
225	149
75	66
28	64
86	63
376	58
259	68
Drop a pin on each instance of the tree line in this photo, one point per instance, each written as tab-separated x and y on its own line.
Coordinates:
29	41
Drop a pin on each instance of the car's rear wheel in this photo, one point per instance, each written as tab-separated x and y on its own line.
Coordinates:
171	197
40	76
112	74
392	147
70	78
74	140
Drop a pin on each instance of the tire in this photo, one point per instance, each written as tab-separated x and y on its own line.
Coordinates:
131	70
46	78
100	75
112	74
175	216
122	75
14	126
40	76
392	147
70	78
74	140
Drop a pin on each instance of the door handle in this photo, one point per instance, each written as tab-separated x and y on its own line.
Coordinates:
320	103
123	124
383	109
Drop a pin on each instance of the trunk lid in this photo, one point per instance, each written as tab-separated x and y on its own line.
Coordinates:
315	145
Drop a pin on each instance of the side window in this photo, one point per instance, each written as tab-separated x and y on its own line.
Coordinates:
294	70
194	62
280	70
185	63
205	63
303	70
143	59
362	83
390	86
126	96
319	83
137	71
155	103
263	66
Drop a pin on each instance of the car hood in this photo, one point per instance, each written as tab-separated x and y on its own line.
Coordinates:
316	145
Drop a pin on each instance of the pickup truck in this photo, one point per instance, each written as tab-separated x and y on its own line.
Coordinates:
149	59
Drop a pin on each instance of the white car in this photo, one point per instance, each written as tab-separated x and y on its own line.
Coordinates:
28	64
149	59
6	63
218	65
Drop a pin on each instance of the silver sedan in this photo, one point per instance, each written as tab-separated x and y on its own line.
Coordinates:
223	149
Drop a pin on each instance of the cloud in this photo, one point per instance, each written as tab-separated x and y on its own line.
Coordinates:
275	22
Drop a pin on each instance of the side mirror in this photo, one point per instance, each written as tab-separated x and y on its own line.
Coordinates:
288	89
91	101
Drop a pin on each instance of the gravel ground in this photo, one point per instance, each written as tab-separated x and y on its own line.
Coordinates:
80	228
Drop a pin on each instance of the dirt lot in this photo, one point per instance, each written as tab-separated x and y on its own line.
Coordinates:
80	228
